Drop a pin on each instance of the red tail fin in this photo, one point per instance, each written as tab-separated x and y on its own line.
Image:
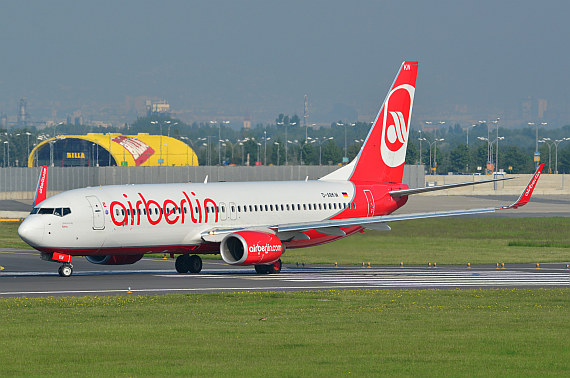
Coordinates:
41	189
382	156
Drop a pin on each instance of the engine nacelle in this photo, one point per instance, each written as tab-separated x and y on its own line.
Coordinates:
114	259
251	248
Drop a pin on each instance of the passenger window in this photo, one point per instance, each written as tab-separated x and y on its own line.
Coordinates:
282	208
304	206
255	207
287	206
122	211
354	205
233	209
266	208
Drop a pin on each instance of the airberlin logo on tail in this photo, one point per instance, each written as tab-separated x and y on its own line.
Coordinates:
396	125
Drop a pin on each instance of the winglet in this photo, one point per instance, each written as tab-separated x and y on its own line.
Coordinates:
41	189
525	196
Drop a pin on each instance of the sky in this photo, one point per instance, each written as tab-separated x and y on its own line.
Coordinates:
222	59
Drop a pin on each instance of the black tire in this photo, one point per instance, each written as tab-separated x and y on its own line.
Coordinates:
65	271
182	264
262	269
194	264
275	267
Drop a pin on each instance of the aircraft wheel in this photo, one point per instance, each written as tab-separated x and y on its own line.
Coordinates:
65	270
182	264
262	269
194	264
275	267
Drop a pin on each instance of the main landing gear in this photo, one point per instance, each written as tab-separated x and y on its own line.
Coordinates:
65	270
268	269
187	263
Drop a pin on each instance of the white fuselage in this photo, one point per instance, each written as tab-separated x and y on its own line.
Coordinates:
167	217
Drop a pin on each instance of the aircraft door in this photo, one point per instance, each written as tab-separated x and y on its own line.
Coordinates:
233	211
370	200
98	215
223	209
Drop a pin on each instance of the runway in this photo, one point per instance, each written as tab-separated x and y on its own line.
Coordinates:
23	274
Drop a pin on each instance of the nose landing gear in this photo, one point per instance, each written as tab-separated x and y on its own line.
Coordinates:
65	270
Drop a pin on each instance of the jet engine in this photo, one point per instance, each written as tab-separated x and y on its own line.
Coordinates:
114	259
251	248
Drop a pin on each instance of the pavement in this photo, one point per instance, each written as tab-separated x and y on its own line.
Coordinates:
23	274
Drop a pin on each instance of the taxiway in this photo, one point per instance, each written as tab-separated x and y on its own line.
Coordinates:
23	274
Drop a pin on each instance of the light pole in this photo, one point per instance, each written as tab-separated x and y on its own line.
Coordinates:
547	142
51	142
496	122
277	151
421	139
174	124
166	153
7	145
265	139
556	143
321	141
28	145
536	153
469	127
435	151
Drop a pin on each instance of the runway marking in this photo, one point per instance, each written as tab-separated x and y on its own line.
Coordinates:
1	267
18	253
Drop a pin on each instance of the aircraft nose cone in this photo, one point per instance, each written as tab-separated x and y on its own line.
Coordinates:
31	231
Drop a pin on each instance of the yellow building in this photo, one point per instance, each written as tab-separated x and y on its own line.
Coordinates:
112	149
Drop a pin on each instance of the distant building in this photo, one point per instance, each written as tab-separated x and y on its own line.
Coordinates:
22	113
160	107
247	121
3	121
112	149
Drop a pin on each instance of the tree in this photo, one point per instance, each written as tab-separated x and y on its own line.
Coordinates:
459	158
332	153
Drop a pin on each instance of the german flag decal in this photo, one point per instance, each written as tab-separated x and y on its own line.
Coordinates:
344	194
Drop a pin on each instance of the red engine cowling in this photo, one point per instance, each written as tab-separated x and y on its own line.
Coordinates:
114	259
251	248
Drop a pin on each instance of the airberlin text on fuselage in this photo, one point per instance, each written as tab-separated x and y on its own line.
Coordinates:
171	211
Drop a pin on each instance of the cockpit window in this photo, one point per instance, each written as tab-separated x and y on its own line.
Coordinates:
58	211
35	210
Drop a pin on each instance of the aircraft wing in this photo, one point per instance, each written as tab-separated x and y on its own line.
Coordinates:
334	226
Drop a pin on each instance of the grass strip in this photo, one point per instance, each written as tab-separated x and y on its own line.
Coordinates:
329	333
444	241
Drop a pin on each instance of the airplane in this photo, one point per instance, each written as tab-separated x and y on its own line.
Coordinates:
247	223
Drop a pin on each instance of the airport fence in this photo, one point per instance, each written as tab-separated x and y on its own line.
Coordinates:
20	183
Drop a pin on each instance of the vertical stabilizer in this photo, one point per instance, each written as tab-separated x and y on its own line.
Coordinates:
382	156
